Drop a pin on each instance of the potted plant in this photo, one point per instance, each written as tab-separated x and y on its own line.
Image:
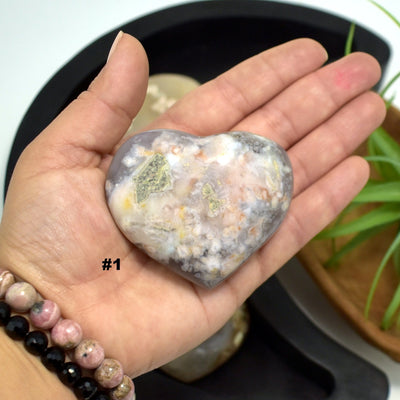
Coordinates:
356	260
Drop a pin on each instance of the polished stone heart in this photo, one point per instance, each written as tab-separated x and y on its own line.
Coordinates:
200	205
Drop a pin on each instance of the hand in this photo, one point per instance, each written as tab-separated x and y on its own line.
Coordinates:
57	229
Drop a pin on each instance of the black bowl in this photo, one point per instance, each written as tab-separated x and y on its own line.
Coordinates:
285	355
201	40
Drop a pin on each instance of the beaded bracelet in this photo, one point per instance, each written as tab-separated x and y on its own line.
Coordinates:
109	382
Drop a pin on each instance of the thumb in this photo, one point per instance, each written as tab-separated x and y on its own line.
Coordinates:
93	124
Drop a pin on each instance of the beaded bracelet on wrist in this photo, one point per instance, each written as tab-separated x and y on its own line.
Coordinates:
109	382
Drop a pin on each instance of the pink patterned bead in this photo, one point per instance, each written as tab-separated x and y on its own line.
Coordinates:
21	296
110	373
66	333
125	390
45	314
89	354
6	280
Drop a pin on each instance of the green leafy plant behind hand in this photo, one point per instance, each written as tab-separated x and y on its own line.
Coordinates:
384	192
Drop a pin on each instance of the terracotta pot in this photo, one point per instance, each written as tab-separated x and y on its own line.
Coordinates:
348	284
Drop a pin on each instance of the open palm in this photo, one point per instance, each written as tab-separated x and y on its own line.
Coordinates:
57	230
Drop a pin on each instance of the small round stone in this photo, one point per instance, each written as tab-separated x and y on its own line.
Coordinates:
17	327
53	358
85	388
6	280
101	396
70	373
110	373
21	296
36	342
89	354
66	334
45	314
125	390
5	313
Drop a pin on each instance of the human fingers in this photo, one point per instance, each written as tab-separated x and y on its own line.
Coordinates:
224	101
94	123
309	213
313	99
333	141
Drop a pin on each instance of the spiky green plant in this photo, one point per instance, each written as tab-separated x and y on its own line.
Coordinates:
384	155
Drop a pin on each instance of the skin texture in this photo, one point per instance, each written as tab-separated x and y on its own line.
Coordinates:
56	227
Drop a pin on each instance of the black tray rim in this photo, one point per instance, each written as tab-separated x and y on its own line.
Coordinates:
47	105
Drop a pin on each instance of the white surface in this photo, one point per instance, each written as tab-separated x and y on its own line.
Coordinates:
37	37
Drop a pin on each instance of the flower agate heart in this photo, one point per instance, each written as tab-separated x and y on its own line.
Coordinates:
200	205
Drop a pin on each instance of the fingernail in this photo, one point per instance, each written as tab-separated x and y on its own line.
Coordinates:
115	43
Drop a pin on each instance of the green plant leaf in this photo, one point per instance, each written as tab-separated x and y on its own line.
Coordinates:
391	310
382	265
338	221
383	159
395	302
386	213
353	243
376	191
373	154
349	40
388	86
385	144
390	15
380	143
396	260
351	207
389	102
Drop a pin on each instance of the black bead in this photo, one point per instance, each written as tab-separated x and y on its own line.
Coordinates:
5	312
70	373
101	396
17	327
85	388
36	342
53	358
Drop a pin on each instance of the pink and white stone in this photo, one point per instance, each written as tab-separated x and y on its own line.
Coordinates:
89	354
66	334
45	314
21	296
110	373
200	205
6	280
125	390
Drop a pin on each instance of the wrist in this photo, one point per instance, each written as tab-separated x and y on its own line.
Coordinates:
92	375
22	375
16	258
